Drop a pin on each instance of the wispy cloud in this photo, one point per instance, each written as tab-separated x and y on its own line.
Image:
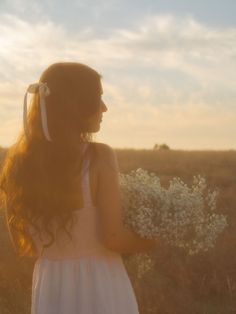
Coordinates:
21	6
165	75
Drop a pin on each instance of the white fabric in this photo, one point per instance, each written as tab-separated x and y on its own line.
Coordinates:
94	283
44	91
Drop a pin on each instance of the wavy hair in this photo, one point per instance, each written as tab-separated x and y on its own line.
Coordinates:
38	178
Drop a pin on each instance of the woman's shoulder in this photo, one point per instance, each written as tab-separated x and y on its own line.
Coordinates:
106	155
102	148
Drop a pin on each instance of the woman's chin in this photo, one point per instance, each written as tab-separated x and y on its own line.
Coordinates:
94	128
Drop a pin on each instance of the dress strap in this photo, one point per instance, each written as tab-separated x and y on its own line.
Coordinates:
86	181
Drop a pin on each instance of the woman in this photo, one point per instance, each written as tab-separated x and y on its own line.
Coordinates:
63	201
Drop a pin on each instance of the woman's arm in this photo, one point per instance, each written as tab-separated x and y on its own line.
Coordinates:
115	236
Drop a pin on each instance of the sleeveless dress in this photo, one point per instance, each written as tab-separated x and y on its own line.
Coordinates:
81	276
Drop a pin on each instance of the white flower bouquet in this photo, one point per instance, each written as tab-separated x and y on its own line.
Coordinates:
180	216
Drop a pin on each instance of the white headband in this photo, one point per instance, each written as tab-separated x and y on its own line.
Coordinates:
44	91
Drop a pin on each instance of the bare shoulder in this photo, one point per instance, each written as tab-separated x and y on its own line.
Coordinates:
106	156
103	148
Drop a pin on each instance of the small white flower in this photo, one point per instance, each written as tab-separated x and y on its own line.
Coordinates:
182	216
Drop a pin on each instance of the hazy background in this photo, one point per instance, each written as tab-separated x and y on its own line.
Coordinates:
169	67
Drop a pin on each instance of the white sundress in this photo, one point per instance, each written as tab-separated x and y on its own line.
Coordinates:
93	280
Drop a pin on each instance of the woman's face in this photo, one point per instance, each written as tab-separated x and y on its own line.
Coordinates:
95	120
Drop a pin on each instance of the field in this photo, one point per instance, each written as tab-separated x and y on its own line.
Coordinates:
180	284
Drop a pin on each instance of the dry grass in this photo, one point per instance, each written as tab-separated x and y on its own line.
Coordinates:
204	284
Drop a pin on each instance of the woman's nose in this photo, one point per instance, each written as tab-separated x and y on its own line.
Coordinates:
104	107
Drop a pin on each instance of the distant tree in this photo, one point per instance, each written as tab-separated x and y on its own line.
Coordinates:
160	147
156	146
164	146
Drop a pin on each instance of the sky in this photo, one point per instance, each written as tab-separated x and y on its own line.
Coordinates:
168	67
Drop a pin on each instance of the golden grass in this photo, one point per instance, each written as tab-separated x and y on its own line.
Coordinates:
180	284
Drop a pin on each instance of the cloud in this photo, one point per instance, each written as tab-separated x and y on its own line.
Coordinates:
21	6
96	6
164	75
183	44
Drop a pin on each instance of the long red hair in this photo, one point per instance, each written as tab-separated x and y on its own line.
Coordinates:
38	177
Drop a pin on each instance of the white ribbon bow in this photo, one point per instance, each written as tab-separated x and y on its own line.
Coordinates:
44	91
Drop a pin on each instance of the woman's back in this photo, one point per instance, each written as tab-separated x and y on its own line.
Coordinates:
86	232
82	276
